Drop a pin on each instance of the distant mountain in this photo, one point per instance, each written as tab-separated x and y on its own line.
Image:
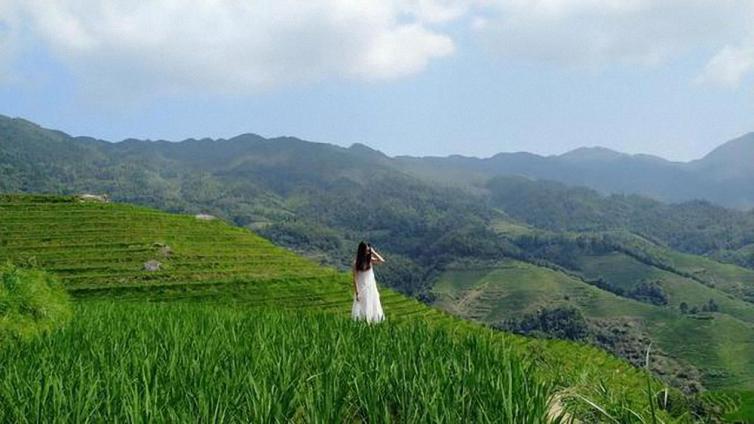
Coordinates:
725	176
588	154
733	161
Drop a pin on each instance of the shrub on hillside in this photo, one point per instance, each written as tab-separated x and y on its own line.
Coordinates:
561	322
31	302
649	292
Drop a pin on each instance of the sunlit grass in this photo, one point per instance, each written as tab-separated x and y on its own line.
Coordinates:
142	362
31	302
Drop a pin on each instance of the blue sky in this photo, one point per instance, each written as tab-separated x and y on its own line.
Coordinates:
422	77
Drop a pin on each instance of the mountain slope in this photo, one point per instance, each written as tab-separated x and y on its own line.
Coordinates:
730	161
314	197
715	343
99	249
693	227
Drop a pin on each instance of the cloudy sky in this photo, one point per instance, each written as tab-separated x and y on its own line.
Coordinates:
476	77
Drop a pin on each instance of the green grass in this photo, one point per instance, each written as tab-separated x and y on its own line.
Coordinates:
96	246
98	252
176	362
746	412
31	302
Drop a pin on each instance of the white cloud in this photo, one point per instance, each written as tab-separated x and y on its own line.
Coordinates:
597	33
729	66
237	45
241	46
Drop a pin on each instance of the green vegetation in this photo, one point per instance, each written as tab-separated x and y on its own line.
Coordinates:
626	272
31	302
718	345
562	322
316	199
99	250
734	280
553	245
175	362
745	412
95	246
695	227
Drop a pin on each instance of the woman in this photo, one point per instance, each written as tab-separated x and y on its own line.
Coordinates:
366	302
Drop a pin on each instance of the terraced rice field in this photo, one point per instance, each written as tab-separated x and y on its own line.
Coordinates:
99	251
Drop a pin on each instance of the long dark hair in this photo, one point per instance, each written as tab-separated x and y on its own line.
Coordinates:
363	257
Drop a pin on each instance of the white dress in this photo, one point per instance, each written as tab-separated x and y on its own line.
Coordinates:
368	306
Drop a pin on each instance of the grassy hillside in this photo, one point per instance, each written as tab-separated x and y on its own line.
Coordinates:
626	272
734	280
99	251
718	344
494	293
31	302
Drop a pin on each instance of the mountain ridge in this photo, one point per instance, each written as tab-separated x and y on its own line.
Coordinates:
596	151
723	176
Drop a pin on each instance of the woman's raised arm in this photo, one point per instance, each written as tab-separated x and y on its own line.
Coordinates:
376	257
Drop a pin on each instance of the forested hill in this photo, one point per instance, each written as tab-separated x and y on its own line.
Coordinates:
697	227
